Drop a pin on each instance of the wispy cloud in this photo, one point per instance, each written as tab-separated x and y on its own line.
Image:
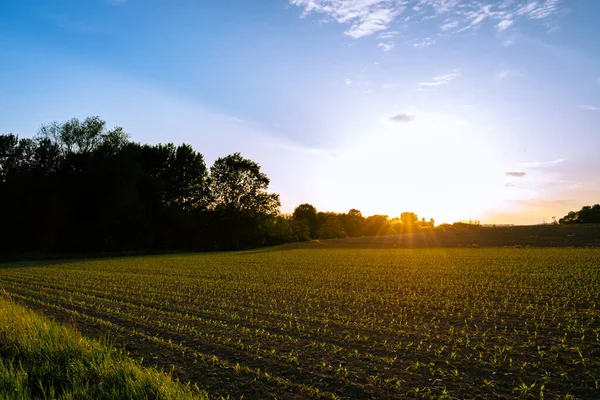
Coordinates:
387	35
367	17
347	82
364	16
449	25
402	118
505	73
542	164
424	42
577	185
588	107
509	184
516	174
504	24
441	79
537	9
463	15
386	46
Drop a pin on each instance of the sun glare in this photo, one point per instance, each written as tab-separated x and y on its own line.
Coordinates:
437	166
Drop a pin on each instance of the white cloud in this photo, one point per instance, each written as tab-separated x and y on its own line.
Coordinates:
542	164
539	9
589	107
386	46
347	82
424	43
441	79
367	17
439	6
387	35
504	24
449	25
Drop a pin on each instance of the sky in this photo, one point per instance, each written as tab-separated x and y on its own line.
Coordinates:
453	109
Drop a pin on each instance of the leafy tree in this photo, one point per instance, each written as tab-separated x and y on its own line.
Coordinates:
377	225
587	215
306	214
187	180
409	221
238	184
241	201
75	136
352	222
331	229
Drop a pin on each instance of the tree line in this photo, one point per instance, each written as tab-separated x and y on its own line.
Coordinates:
587	215
78	187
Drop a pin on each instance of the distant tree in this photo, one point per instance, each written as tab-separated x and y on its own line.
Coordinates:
377	225
587	215
279	230
409	221
469	224
331	229
352	222
308	214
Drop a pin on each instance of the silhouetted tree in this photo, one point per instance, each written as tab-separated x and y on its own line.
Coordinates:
331	228
587	215
241	200
377	225
352	222
409	221
77	187
307	214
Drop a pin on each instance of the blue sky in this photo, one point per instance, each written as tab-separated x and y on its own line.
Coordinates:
453	109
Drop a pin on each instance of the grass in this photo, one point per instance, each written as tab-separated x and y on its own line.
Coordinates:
343	323
40	359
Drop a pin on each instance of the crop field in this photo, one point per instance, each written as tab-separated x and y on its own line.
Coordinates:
342	323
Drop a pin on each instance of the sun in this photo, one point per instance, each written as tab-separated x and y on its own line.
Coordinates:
438	166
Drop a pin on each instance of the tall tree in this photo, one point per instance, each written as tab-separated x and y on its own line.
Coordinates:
306	214
409	221
241	202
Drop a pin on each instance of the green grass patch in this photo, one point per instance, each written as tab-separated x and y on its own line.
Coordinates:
41	359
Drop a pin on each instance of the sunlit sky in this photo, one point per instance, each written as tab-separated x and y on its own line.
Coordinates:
453	109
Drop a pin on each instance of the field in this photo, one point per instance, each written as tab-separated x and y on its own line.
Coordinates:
342	323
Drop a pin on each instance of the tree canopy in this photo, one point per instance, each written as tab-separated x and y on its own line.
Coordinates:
587	215
77	187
